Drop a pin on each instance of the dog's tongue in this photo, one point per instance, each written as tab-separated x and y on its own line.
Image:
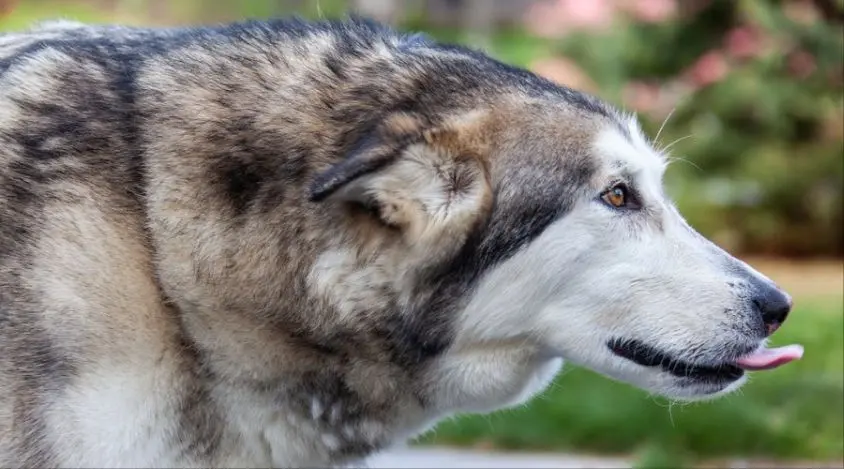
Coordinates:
767	358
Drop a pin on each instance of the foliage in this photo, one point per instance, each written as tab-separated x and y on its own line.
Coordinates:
756	93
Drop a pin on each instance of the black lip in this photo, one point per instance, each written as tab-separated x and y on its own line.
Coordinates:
645	355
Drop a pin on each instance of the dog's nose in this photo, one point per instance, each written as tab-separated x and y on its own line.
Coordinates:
774	305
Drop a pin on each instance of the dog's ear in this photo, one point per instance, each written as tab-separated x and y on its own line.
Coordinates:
424	180
375	150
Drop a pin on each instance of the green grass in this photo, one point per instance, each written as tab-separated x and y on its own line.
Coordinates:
29	12
792	412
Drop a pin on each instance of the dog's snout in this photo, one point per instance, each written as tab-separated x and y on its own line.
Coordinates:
774	305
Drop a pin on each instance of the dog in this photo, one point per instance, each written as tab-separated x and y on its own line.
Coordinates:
285	243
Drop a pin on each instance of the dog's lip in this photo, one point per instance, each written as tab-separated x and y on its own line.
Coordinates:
645	355
762	358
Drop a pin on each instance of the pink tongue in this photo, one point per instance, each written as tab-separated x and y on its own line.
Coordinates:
767	358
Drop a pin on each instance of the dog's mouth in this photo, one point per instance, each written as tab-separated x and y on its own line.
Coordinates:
729	370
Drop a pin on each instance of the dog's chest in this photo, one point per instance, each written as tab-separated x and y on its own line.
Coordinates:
116	420
322	434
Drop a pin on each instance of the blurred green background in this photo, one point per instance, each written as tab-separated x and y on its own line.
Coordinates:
748	96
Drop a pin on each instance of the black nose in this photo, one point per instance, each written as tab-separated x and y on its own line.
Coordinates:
774	305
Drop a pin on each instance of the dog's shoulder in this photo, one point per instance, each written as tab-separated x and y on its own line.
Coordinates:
80	313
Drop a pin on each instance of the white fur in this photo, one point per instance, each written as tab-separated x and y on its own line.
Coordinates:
587	279
114	420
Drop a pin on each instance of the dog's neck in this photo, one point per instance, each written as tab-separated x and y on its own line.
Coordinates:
324	418
326	432
311	410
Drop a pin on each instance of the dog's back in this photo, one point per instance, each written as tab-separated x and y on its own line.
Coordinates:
95	367
80	314
280	243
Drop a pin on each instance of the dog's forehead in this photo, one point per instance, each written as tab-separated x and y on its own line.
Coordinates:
624	150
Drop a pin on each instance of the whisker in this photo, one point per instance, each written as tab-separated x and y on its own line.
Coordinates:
665	121
672	159
671	413
668	147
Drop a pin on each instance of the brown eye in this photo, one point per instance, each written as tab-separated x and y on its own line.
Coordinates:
617	196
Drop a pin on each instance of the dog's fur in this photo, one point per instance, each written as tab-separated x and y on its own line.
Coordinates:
285	243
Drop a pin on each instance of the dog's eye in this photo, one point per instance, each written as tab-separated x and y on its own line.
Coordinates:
616	196
619	196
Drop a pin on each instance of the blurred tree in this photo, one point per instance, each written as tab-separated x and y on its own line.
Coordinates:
758	86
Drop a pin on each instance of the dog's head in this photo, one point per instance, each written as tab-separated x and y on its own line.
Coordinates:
544	223
618	281
468	225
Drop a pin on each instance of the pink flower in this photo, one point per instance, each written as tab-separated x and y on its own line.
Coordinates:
801	64
556	18
801	11
595	14
657	100
743	43
710	68
652	11
641	97
565	72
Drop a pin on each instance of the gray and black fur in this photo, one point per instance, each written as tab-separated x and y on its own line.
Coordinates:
165	192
